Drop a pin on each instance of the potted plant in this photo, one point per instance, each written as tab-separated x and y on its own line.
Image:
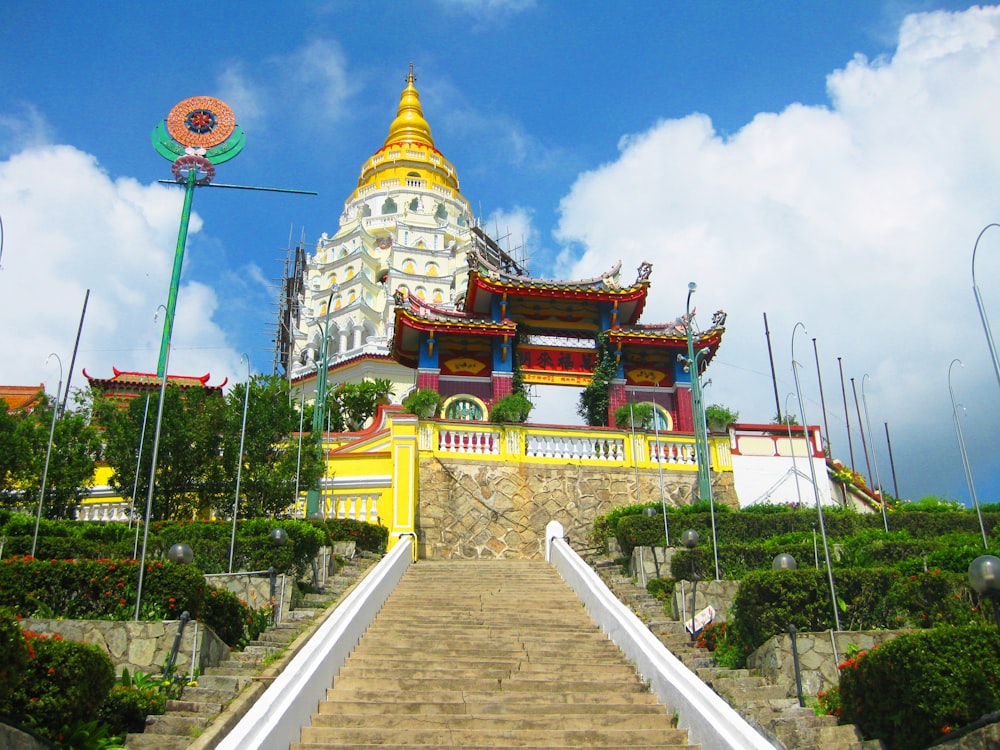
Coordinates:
513	407
718	417
424	403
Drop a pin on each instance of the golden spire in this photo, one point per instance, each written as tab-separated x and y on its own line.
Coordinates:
410	124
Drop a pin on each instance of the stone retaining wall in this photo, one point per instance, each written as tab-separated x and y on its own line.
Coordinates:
474	509
143	646
817	662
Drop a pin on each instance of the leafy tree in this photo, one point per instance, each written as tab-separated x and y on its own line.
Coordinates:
595	398
350	405
189	476
71	460
12	455
270	449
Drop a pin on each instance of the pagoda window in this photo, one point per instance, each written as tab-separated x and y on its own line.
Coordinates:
441	212
438	297
389	207
366	211
349	273
350	297
415	204
464	407
421	292
431	269
408	265
461	220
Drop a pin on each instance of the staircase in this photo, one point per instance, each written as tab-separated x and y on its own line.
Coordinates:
199	706
767	707
478	654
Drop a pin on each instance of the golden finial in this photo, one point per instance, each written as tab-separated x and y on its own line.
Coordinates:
410	124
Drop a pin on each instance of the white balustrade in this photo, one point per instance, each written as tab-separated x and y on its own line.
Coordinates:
673	452
359	507
476	442
573	448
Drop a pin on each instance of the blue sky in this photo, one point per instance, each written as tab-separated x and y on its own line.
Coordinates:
829	163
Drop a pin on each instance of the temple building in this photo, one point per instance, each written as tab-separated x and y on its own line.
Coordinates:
406	228
411	290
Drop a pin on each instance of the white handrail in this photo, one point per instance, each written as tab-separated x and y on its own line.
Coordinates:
710	721
277	717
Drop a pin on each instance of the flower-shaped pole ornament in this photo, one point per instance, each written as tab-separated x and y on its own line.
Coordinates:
198	134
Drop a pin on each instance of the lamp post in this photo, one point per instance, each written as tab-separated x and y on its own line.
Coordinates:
319	405
878	480
965	454
697	408
782	562
650	514
279	538
812	473
984	577
690	540
982	309
702	455
239	466
48	453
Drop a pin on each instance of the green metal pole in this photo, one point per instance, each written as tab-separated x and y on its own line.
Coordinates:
175	278
319	410
697	409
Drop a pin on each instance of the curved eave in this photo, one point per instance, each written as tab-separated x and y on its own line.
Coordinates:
474	327
479	285
712	338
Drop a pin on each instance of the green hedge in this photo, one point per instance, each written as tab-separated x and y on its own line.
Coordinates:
916	688
106	590
209	541
768	602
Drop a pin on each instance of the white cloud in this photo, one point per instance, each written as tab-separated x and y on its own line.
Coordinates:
513	230
23	129
67	228
857	219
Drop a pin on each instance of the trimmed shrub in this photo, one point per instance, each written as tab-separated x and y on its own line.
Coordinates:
125	708
639	531
14	654
914	689
63	683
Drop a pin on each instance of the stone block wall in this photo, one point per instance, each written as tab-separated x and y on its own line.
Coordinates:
143	646
817	662
475	509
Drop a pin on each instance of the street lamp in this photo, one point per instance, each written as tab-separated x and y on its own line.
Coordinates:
180	553
812	473
239	466
784	561
319	404
965	455
702	455
984	577
878	480
690	540
48	452
700	441
982	309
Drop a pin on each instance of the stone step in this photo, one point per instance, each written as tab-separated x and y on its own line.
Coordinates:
156	741
183	724
495	722
508	657
632	704
438	738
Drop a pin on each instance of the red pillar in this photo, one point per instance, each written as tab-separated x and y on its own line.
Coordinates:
428	379
616	399
503	385
685	420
